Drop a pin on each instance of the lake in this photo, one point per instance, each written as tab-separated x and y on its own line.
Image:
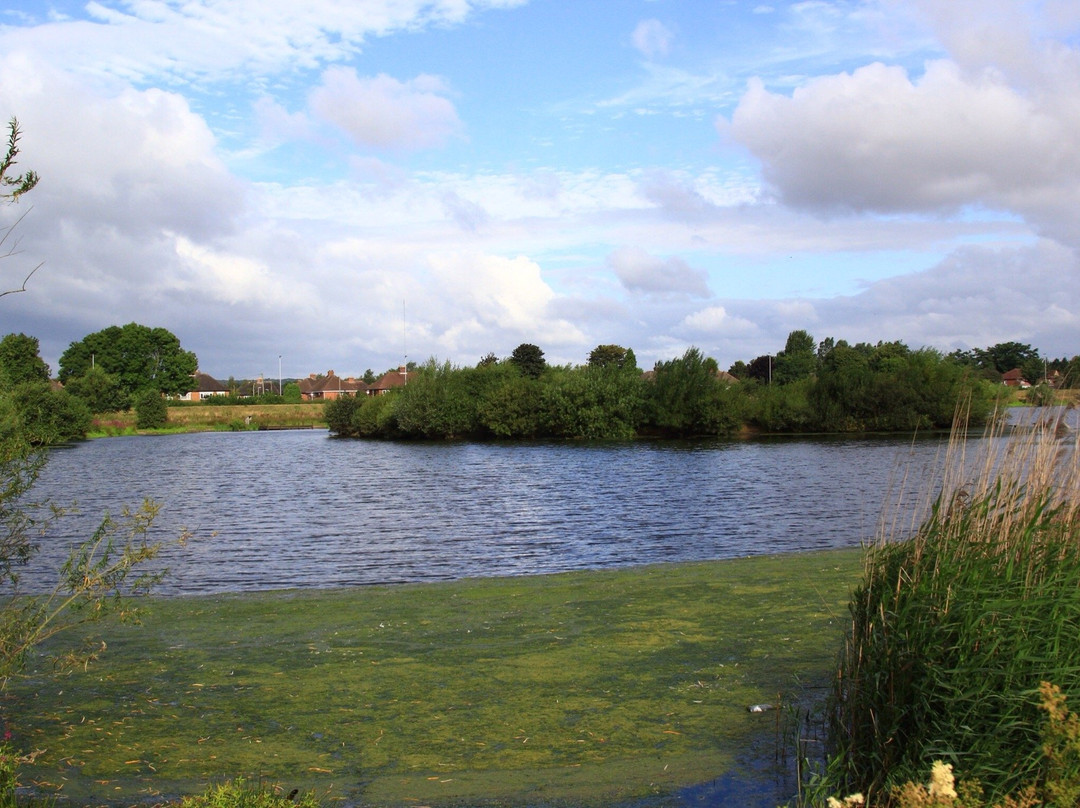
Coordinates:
272	510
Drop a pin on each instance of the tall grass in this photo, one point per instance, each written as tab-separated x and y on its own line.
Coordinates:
953	628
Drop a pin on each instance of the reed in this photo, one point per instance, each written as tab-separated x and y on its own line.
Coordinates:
954	626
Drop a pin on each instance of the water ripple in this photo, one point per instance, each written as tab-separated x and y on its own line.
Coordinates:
275	510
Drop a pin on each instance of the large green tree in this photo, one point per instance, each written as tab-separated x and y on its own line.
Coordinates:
612	356
798	360
141	358
529	359
20	361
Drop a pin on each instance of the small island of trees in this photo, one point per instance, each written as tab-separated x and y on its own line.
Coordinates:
808	387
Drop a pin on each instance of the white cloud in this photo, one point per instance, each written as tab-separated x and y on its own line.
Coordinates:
504	298
233	279
641	272
386	113
652	38
134	160
716	321
974	298
876	140
227	39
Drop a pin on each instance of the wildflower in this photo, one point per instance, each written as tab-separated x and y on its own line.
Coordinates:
941	781
851	801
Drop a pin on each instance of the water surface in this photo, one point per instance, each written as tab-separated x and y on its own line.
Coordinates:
272	510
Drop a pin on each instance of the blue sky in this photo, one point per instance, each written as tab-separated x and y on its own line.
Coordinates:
338	183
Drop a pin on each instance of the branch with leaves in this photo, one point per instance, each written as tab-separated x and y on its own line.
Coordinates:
12	187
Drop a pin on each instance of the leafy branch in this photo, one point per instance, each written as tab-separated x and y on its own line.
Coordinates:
14	186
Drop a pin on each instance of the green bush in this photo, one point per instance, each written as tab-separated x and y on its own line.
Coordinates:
954	629
44	416
151	411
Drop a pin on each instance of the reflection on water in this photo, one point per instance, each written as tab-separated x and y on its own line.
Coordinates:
299	509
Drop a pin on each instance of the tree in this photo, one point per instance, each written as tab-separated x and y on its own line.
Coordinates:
15	186
20	362
139	356
151	412
798	359
607	356
529	360
100	390
687	398
292	393
42	416
1005	356
761	368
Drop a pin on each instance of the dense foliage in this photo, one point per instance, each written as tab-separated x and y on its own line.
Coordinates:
30	408
953	630
136	356
834	387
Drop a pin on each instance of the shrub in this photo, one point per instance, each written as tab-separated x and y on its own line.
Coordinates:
953	628
151	411
45	416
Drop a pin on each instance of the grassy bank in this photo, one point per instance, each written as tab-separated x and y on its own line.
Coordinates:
581	687
215	417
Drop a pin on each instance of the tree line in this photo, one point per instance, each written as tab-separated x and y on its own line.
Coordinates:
111	370
831	386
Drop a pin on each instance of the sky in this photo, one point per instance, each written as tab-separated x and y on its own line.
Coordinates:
292	188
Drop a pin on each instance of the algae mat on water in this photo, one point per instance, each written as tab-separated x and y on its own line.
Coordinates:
587	687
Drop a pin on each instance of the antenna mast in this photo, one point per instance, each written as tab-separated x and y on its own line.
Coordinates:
404	342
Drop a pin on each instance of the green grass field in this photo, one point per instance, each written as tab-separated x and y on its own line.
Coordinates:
217	417
581	688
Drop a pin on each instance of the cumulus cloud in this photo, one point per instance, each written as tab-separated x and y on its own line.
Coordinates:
652	38
639	271
716	321
133	160
384	112
875	140
232	279
507	297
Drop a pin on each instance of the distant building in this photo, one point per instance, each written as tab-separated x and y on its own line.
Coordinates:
1014	378
205	387
388	381
331	386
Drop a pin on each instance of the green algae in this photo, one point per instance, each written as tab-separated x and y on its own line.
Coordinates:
586	687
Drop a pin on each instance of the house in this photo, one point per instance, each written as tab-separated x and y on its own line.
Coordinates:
331	386
1014	378
307	386
205	387
388	381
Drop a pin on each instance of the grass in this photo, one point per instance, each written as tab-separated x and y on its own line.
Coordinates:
586	687
954	630
216	417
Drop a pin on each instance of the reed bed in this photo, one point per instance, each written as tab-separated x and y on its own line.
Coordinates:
954	628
